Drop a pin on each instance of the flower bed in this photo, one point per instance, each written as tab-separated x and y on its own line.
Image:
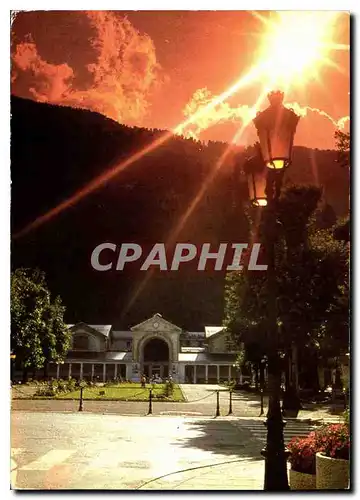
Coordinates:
303	453
334	441
324	455
332	459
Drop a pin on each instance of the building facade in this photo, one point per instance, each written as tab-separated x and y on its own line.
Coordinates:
153	347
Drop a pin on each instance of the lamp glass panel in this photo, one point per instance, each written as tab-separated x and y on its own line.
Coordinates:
260	202
276	164
276	128
257	187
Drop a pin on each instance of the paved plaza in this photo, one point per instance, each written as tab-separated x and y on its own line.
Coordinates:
113	452
91	451
116	445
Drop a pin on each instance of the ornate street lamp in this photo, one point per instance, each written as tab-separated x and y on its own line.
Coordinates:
276	128
257	176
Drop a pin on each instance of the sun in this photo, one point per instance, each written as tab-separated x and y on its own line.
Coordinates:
295	46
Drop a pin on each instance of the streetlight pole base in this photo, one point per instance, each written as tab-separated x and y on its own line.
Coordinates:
276	456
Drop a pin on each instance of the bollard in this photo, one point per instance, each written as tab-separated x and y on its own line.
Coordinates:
150	402
217	414
81	405
261	402
230	403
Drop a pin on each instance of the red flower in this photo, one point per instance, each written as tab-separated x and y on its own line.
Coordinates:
333	440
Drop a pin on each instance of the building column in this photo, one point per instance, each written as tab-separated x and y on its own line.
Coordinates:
115	372
181	373
69	374
206	373
104	372
128	371
57	370
229	376
92	371
81	370
218	373
194	379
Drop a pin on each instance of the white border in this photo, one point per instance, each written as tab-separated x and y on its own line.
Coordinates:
186	5
351	5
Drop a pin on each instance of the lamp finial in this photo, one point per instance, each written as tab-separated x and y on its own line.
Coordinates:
275	97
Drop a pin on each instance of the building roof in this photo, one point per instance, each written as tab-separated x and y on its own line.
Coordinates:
205	357
118	356
193	356
195	334
212	330
193	349
121	334
156	318
103	329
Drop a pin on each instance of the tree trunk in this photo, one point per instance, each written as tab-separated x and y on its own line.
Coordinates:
295	367
262	375
256	378
46	370
288	373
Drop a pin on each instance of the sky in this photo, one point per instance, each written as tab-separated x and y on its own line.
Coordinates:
156	69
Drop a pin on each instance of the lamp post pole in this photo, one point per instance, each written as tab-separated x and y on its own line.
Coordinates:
274	452
276	129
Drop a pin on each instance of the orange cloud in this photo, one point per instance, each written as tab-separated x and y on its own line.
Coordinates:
120	79
223	113
220	113
304	111
53	81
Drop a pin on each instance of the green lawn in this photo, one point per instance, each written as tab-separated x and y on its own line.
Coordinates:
124	392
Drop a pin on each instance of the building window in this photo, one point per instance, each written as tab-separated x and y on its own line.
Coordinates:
128	345
81	342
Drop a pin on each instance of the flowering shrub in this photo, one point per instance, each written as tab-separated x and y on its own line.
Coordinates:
334	441
302	453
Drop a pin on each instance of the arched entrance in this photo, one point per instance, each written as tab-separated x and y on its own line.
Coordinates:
156	358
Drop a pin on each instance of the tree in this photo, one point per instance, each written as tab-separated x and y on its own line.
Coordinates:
333	331
343	148
311	271
38	332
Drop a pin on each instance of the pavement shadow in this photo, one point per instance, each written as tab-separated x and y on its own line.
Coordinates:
221	389
254	400
331	409
221	437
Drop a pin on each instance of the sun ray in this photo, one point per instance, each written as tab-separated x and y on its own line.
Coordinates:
296	45
332	64
265	20
338	46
